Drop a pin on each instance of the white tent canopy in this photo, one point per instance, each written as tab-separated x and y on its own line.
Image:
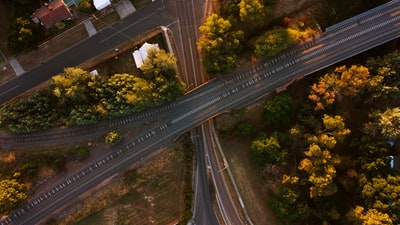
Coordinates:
101	4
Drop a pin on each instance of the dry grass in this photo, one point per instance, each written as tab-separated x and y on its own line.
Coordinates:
154	198
248	177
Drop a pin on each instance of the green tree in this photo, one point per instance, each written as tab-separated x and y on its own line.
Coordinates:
279	111
272	42
86	6
159	63
389	123
385	82
289	205
229	9
36	112
245	129
219	44
11	194
22	34
372	156
252	11
267	150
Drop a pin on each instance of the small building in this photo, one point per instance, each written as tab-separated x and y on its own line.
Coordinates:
51	13
101	4
141	54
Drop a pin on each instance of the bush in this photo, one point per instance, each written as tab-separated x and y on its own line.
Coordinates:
113	137
86	6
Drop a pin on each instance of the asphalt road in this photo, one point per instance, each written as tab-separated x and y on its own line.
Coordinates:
243	88
223	195
138	23
203	212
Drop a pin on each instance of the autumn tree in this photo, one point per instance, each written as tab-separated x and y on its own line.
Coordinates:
389	123
385	82
159	63
167	89
382	194
319	163
252	11
12	194
272	42
127	94
219	44
22	34
71	86
323	93
113	137
342	82
361	216
351	81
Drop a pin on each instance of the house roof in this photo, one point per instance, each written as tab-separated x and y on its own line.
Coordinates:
52	13
101	4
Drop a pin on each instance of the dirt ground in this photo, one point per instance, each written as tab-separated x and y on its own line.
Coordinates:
250	181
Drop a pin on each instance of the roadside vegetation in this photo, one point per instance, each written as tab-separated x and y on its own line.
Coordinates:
76	97
247	26
325	154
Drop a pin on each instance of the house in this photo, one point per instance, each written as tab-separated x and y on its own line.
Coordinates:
140	55
51	13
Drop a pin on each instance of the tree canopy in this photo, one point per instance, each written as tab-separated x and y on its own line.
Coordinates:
267	150
75	97
22	34
219	44
342	82
272	42
252	11
11	194
279	111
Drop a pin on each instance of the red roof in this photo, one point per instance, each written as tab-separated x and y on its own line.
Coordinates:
52	13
